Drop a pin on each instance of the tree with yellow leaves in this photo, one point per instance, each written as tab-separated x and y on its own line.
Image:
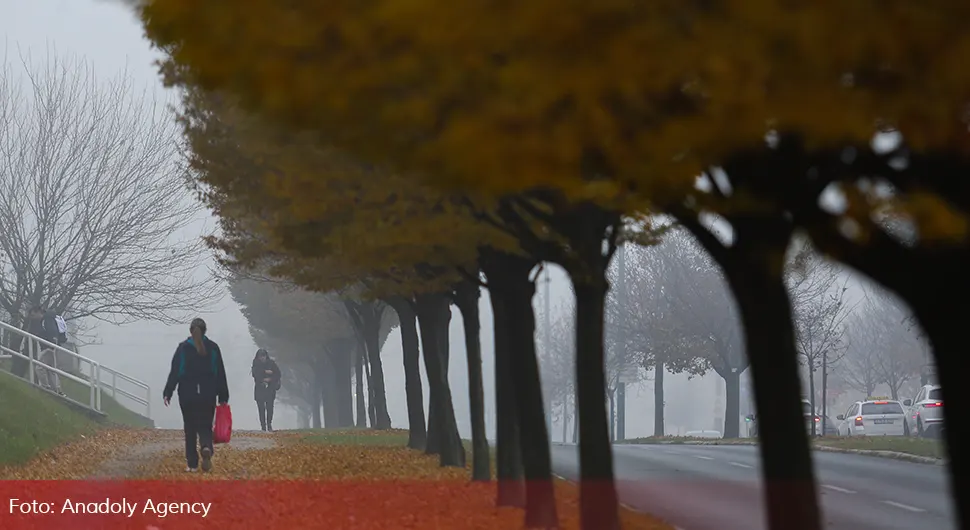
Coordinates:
559	86
388	225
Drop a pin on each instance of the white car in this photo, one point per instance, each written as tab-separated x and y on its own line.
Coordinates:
703	434
925	414
873	417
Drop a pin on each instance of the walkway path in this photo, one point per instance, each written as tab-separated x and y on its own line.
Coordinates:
353	479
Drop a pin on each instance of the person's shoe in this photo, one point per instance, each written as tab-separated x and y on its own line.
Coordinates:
206	459
190	470
262	428
269	427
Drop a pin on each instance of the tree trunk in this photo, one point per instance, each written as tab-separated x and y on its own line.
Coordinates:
894	391
315	410
417	433
444	353
433	445
565	419
825	400
811	393
508	279
372	314
658	398
325	392
575	418
598	499
433	314
508	450
944	324
371	401
318	398
466	298
732	403
342	394
787	474
611	394
359	372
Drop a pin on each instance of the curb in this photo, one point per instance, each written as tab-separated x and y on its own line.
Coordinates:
894	455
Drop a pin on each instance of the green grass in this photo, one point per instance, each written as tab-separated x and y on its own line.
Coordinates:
371	438
686	439
899	444
116	412
360	437
32	421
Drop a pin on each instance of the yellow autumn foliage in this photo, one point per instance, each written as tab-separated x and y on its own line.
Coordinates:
509	96
326	220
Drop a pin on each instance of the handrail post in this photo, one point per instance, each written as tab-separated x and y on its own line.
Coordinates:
91	384
30	360
98	382
114	383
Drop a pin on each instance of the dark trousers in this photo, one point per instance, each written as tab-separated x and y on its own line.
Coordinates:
197	419
265	405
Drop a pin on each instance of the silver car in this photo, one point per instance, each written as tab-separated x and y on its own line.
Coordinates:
924	415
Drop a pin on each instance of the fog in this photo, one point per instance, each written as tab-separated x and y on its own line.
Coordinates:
107	36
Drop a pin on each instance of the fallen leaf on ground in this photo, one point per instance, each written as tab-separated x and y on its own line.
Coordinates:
80	458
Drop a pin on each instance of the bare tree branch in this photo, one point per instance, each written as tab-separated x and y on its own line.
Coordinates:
93	199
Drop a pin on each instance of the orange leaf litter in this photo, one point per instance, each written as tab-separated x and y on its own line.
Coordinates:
308	483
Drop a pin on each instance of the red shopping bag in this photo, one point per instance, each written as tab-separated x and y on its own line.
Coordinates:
222	430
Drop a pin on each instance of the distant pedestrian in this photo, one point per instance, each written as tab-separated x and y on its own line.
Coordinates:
200	375
267	378
43	324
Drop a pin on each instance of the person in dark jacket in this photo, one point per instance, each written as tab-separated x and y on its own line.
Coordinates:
266	377
200	376
43	324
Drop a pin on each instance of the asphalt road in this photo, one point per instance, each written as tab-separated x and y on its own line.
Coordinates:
701	487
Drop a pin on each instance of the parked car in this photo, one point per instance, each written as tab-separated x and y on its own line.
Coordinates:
873	417
703	434
924	416
822	428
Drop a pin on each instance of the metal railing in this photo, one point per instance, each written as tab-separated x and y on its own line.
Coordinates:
91	374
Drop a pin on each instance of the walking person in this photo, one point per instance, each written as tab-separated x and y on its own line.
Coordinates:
267	378
200	376
43	324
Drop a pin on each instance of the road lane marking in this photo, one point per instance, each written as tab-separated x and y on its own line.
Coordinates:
836	488
704	457
904	506
739	464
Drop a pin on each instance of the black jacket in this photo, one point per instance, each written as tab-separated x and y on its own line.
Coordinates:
198	377
262	390
45	328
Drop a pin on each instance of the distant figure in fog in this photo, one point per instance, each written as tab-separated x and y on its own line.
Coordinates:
200	375
267	377
43	324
